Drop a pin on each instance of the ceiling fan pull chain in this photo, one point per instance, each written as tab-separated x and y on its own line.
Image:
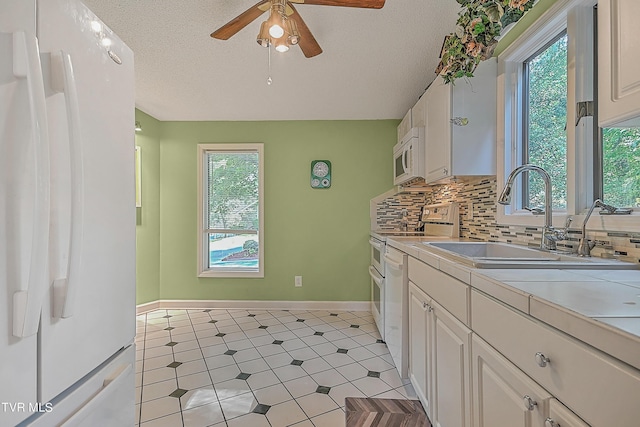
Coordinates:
269	79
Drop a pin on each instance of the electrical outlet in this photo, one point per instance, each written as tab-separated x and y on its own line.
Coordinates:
298	281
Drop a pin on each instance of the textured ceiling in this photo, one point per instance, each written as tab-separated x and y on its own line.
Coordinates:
375	64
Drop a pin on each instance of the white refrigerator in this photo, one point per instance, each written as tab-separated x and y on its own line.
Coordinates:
67	218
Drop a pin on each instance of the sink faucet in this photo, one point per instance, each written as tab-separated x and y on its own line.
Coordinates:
549	234
585	245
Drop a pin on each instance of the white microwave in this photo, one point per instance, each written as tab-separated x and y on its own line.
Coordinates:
409	157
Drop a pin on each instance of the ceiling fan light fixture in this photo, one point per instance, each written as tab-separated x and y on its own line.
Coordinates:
294	34
281	45
263	38
277	23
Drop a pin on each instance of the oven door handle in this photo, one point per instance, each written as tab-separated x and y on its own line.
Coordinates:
375	244
389	262
375	276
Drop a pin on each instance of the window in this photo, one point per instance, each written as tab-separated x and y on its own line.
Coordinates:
620	169
230	235
543	76
544	140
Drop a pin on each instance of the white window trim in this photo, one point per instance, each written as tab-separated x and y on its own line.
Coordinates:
575	16
202	237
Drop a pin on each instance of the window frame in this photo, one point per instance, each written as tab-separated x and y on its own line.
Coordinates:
576	17
203	269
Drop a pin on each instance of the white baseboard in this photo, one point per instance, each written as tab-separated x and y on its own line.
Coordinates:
257	305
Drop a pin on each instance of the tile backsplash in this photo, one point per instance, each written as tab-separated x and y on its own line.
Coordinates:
479	196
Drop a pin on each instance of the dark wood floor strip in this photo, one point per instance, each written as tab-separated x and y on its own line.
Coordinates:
370	412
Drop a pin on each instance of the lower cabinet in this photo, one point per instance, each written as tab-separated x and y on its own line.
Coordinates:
420	343
452	369
504	396
439	361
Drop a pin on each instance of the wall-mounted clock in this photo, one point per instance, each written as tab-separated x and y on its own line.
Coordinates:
320	174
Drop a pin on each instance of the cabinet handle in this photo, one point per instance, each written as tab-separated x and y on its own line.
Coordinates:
529	403
424	305
429	308
549	422
542	360
445	171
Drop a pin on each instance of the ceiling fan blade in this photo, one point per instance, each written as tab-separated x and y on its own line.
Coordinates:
369	4
308	43
239	22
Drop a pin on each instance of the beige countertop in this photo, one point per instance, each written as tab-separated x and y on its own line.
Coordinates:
599	307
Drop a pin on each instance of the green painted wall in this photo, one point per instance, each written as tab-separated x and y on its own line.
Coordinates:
321	235
148	216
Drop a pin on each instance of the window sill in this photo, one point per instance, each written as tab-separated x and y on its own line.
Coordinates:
628	223
249	274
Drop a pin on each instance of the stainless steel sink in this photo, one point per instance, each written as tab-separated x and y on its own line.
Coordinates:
505	255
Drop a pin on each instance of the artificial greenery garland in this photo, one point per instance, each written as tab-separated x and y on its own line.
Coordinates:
479	24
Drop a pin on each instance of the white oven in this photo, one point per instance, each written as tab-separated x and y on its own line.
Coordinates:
377	271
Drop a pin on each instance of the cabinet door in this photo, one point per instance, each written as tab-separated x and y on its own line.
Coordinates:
405	125
419	112
618	63
561	416
438	130
452	367
420	345
503	396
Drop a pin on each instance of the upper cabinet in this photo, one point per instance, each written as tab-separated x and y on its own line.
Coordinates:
405	126
460	122
618	63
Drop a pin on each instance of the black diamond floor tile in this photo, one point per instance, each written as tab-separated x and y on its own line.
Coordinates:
206	311
319	334
170	328
261	409
297	362
174	364
262	327
277	342
179	392
230	352
213	321
167	316
342	351
300	320
251	315
355	326
220	334
323	389
380	342
171	344
242	376
373	374
333	314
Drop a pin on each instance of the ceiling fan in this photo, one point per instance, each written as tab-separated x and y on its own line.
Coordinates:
285	27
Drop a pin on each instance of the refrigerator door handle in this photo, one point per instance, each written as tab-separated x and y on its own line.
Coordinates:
27	303
109	386
63	81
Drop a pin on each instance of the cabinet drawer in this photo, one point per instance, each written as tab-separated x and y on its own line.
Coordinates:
598	388
450	293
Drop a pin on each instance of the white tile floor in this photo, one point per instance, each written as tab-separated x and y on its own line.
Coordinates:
197	368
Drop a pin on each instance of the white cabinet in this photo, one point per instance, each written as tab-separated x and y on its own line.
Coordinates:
420	343
618	63
503	396
405	125
419	112
439	349
453	147
560	416
561	364
452	370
